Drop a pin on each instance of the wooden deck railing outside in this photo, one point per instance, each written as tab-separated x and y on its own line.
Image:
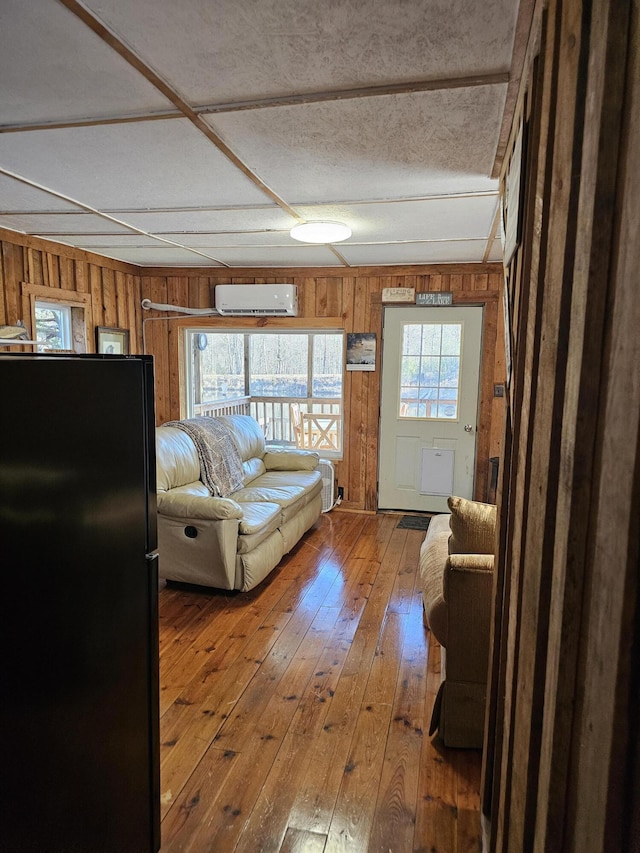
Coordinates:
274	415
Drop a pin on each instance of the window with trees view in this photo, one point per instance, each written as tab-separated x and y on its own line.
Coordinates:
53	326
271	369
430	370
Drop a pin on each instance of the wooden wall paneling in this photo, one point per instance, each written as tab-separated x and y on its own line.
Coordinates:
109	297
485	402
140	312
157	342
334	297
540	541
52	277
370	385
12	258
34	266
456	283
490	788
343	466
119	281
306	296
518	441
177	294
81	276
433	283
322	291
198	288
603	796
372	419
498	404
355	404
591	263
67	273
481	282
97	302
410	281
130	305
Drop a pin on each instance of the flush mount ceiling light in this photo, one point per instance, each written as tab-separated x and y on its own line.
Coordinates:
320	232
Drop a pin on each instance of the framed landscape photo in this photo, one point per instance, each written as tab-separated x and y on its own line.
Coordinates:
112	341
361	351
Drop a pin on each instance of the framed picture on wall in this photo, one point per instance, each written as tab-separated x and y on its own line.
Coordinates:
112	341
361	351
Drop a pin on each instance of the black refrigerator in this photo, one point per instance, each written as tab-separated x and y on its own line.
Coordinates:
79	759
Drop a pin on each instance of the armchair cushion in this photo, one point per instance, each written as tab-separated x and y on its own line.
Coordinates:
473	526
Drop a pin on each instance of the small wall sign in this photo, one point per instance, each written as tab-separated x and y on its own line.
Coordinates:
398	294
436	298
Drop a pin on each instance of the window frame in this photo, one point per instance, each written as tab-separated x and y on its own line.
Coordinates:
78	303
189	331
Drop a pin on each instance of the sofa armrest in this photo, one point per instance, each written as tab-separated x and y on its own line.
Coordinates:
285	459
181	505
468	591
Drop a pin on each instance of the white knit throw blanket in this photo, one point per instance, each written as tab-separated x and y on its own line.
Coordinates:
220	463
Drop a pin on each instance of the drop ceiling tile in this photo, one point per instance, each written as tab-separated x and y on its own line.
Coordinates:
237	239
158	257
463	251
458	217
242	49
159	163
54	68
248	219
97	242
279	256
18	197
405	146
51	225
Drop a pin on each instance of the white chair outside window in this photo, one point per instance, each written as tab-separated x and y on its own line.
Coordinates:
316	430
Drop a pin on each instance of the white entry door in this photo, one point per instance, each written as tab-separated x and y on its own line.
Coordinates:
429	406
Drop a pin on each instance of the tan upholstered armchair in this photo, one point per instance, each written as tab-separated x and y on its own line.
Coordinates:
456	570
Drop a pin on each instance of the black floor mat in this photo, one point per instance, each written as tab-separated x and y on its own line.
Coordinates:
414	522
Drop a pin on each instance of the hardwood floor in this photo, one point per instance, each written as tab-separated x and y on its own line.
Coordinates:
295	717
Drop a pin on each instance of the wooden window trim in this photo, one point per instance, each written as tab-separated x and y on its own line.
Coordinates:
81	313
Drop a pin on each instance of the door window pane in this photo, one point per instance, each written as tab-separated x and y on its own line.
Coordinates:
430	370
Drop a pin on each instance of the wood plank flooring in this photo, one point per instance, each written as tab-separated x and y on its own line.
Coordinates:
295	717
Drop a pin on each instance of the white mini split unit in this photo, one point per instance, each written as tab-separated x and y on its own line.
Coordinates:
263	300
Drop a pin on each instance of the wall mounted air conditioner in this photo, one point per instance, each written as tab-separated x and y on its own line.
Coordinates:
265	300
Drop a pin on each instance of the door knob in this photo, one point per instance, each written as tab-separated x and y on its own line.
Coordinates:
468	428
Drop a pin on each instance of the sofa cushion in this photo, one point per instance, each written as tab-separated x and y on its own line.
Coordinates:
473	526
434	553
194	502
247	434
258	523
256	516
176	459
286	459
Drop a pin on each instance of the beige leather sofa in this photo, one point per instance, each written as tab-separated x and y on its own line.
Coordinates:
456	569
232	542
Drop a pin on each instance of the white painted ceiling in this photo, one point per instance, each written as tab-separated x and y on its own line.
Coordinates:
197	133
